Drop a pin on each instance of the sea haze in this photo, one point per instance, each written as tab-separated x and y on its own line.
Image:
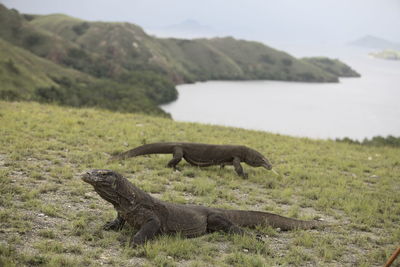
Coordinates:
355	107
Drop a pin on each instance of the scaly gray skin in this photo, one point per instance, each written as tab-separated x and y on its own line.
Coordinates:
153	217
202	155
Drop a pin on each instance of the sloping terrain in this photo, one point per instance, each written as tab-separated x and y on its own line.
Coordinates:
49	217
21	72
25	76
333	66
60	65
127	47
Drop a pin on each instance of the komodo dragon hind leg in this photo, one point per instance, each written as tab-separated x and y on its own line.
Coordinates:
217	222
146	232
177	157
239	168
115	225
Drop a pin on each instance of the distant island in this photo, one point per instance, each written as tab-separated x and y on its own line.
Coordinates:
387	54
68	61
374	42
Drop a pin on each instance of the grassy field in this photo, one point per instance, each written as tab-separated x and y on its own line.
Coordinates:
49	217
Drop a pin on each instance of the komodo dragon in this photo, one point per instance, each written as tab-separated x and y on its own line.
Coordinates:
153	217
202	155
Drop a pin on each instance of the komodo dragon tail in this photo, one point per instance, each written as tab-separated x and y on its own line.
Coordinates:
155	148
254	218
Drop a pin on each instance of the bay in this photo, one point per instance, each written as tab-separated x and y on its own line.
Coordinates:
356	107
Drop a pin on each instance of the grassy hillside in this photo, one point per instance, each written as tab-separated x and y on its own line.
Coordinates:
333	66
48	216
25	76
262	62
115	87
127	47
21	72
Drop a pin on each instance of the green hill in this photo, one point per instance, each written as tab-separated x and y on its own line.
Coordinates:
25	76
127	47
36	64
333	66
49	217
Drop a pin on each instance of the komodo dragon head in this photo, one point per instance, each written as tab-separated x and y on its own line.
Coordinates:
255	159
105	183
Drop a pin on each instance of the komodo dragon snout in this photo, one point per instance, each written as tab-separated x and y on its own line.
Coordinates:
256	159
99	177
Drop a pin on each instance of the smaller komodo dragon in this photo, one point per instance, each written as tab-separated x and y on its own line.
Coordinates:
202	155
153	217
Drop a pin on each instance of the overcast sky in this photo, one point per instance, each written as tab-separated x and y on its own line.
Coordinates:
313	21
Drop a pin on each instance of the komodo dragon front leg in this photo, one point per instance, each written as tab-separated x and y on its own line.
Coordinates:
146	232
116	224
177	157
238	167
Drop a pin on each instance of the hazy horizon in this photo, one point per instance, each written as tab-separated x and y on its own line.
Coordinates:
289	21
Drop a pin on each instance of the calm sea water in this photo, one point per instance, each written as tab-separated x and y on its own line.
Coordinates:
355	107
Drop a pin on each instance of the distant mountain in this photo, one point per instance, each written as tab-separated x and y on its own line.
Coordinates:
376	43
187	29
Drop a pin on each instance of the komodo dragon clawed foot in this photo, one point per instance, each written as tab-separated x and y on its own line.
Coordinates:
115	225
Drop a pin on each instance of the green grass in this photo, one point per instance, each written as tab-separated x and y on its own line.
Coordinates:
49	217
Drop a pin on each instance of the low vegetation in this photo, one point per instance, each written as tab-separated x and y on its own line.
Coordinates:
25	76
49	217
333	66
387	54
390	141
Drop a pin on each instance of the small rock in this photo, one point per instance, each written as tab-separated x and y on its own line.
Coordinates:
40	215
278	229
245	250
374	176
169	257
125	144
369	158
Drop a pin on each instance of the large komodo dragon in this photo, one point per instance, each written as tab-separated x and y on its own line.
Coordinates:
202	155
152	216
